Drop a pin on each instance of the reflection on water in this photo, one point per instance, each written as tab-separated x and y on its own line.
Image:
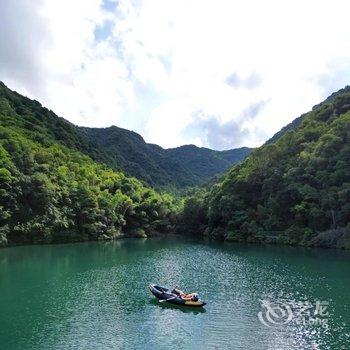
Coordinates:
95	296
179	308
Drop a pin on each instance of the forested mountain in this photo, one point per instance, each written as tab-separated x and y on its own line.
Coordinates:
51	189
286	191
178	167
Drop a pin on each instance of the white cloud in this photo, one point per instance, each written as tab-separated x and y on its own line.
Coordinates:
219	58
166	123
80	78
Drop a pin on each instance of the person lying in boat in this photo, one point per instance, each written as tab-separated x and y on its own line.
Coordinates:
180	293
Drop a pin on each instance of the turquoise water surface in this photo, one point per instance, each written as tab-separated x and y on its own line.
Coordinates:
94	296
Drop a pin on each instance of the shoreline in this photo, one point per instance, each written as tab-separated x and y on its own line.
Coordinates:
183	237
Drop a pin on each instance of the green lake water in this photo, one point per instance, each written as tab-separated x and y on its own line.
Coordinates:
94	296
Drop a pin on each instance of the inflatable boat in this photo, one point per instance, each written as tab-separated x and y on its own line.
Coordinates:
166	295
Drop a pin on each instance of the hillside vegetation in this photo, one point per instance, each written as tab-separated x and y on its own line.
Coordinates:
51	189
59	182
286	191
178	167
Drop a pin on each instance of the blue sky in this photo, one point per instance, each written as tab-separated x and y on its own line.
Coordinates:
219	74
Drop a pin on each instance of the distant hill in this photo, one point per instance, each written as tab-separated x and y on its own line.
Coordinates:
179	167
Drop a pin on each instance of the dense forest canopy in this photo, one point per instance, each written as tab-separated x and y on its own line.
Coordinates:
51	189
288	190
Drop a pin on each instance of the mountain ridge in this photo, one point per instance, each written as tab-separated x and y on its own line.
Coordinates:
183	166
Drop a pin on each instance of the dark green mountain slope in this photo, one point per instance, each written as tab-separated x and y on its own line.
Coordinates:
287	191
50	191
179	167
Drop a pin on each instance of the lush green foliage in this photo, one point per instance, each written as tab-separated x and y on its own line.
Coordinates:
193	219
50	191
290	189
175	167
